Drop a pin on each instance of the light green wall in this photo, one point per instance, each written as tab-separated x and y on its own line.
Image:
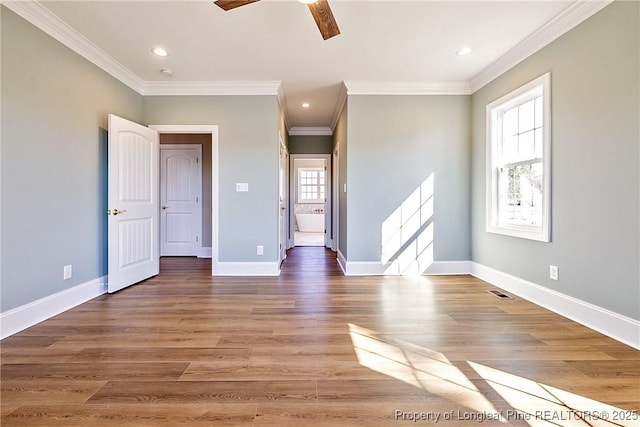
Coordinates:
395	143
248	152
54	153
595	161
310	144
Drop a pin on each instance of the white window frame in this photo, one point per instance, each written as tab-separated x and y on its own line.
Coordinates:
494	113
302	200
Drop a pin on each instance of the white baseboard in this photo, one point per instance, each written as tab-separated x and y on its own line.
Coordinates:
445	268
205	252
342	262
246	269
27	315
614	325
376	268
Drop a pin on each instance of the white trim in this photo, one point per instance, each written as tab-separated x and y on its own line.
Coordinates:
377	268
573	15
293	189
310	131
205	252
247	269
41	17
449	268
341	102
342	262
356	87
335	196
27	315
609	323
215	206
156	88
196	129
540	86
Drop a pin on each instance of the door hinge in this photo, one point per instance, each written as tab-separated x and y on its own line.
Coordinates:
197	199
197	160
196	238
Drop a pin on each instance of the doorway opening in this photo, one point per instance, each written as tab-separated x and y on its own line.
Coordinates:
207	137
310	199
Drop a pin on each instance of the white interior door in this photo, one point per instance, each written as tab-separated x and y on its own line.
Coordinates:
180	200
133	203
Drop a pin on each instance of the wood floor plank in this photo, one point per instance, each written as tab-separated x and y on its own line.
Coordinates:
17	393
159	354
88	372
143	415
204	391
310	347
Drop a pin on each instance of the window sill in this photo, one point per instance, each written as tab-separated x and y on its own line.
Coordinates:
530	233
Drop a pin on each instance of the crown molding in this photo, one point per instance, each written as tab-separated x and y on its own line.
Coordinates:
41	17
282	103
569	18
38	15
310	131
340	104
356	87
159	88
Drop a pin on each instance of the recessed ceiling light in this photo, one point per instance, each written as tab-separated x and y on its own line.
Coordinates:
167	72
160	51
464	51
307	1
306	105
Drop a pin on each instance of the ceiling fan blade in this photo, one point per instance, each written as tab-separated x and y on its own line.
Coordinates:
232	4
324	19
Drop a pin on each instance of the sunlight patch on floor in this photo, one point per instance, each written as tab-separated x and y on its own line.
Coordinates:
521	399
429	371
546	403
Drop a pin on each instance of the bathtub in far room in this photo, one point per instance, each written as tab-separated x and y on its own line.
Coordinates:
310	223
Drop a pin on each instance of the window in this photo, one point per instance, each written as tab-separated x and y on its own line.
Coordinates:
518	162
311	185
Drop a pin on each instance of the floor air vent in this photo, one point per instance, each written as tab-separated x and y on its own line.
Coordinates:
500	295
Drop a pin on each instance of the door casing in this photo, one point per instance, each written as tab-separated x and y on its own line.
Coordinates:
329	198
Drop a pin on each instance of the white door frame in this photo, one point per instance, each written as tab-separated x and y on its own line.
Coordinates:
196	247
215	217
335	224
283	200
293	195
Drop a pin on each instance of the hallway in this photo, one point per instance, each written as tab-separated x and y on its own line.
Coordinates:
310	261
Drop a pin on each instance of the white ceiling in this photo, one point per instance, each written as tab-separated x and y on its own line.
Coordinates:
390	43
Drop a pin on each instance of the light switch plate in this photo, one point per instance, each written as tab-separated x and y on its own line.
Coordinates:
242	187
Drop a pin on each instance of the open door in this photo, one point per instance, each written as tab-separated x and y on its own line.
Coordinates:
133	203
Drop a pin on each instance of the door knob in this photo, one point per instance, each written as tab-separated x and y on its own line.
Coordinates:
115	211
164	207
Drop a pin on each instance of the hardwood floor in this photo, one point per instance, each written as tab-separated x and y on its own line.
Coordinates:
313	347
